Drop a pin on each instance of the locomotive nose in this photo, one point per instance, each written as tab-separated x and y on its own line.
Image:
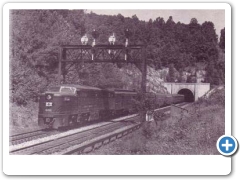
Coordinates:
49	96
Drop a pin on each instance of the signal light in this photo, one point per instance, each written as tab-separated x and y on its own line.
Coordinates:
48	96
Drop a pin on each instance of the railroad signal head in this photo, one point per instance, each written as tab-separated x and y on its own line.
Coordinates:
95	34
127	33
84	40
112	39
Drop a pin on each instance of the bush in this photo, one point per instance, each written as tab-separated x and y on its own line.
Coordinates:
135	145
215	97
148	130
24	116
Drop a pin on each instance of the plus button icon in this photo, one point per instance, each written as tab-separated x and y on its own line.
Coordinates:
227	145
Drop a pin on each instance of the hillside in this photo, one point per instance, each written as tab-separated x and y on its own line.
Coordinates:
186	50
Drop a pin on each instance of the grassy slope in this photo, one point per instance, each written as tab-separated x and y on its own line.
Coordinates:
195	133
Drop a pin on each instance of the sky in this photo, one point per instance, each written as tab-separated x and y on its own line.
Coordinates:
183	16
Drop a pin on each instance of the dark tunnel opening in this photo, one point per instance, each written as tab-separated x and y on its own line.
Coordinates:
189	97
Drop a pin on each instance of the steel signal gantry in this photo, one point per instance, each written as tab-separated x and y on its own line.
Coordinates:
70	55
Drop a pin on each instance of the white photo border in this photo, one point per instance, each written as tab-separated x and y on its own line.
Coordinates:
115	164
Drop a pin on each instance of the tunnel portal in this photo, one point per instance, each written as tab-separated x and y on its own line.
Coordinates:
189	97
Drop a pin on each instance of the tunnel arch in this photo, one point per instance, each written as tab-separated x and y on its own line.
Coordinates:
189	97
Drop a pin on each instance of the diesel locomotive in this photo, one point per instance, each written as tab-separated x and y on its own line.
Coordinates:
67	105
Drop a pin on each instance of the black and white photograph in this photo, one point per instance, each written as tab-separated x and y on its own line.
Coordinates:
116	81
125	82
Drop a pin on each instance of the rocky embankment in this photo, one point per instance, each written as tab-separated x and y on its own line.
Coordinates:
132	76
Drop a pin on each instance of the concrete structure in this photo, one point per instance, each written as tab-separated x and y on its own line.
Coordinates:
192	91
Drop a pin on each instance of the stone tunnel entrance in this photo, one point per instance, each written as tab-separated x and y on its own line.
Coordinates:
189	97
192	91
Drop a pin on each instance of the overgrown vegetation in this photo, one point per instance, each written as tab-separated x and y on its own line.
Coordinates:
194	133
24	116
36	35
215	96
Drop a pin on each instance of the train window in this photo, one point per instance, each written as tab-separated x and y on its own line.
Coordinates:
66	89
54	89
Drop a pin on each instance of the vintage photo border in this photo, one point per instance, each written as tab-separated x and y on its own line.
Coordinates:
115	164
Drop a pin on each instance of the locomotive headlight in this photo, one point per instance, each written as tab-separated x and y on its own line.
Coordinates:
48	97
66	98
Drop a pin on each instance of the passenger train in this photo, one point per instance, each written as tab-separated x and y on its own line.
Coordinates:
68	105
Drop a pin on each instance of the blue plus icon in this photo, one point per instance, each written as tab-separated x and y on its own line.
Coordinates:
227	145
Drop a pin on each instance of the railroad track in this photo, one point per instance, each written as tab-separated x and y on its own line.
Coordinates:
76	141
28	136
19	138
51	146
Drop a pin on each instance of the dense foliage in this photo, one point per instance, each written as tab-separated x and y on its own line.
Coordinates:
37	34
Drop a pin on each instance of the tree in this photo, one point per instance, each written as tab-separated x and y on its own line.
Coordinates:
36	35
170	21
171	74
135	18
191	79
213	75
194	21
222	39
209	32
